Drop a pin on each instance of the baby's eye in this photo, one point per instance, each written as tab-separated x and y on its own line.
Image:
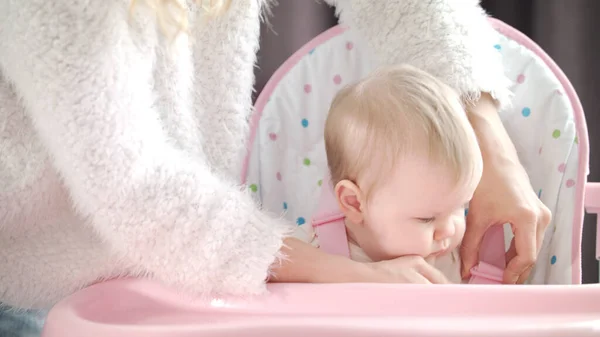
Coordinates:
426	220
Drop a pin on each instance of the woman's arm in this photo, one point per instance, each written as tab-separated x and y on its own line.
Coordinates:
494	142
85	81
504	195
450	39
224	57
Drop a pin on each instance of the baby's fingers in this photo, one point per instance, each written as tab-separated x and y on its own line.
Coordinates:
432	274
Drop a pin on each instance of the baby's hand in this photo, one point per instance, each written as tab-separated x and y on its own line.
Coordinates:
431	260
406	269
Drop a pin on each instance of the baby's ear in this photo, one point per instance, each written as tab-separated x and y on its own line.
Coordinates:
349	197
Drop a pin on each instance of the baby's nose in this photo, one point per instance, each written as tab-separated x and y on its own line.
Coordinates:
444	231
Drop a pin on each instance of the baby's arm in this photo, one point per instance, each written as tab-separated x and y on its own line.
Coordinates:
308	264
451	39
86	85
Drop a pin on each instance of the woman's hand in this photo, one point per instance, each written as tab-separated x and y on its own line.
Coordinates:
504	195
307	264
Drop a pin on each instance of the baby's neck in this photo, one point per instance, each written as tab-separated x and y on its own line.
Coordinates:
356	252
350	233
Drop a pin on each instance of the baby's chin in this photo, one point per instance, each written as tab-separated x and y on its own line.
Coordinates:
437	255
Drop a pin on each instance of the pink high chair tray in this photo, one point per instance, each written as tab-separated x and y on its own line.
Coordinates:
136	308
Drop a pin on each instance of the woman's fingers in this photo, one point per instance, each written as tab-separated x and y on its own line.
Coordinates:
525	243
542	224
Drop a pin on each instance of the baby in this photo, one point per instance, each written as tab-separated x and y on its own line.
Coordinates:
404	163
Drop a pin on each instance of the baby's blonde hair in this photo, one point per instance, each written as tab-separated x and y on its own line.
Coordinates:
393	112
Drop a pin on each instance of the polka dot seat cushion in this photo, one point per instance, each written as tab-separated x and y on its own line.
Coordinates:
287	160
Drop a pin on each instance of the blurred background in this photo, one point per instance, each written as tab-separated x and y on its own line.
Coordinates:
565	29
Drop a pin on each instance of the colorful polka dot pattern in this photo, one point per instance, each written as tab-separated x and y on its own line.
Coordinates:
337	79
556	134
307	88
561	168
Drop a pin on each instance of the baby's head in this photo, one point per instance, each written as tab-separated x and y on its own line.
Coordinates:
404	162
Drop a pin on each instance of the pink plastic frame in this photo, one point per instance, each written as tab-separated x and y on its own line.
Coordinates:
141	308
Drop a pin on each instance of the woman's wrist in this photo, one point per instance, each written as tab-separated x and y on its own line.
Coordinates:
497	148
304	263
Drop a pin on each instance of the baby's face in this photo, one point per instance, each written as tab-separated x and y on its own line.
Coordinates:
420	210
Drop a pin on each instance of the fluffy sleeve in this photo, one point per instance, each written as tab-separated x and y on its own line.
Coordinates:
224	73
451	39
86	81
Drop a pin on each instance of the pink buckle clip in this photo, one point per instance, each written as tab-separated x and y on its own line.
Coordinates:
485	273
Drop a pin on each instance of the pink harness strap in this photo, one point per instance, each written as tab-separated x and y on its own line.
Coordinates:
492	260
328	224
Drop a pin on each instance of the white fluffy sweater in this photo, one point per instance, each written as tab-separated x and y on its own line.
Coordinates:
118	157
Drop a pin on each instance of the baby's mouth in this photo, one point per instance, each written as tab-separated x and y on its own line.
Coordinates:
440	252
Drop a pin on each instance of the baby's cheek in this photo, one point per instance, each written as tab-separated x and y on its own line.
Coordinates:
460	226
407	242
